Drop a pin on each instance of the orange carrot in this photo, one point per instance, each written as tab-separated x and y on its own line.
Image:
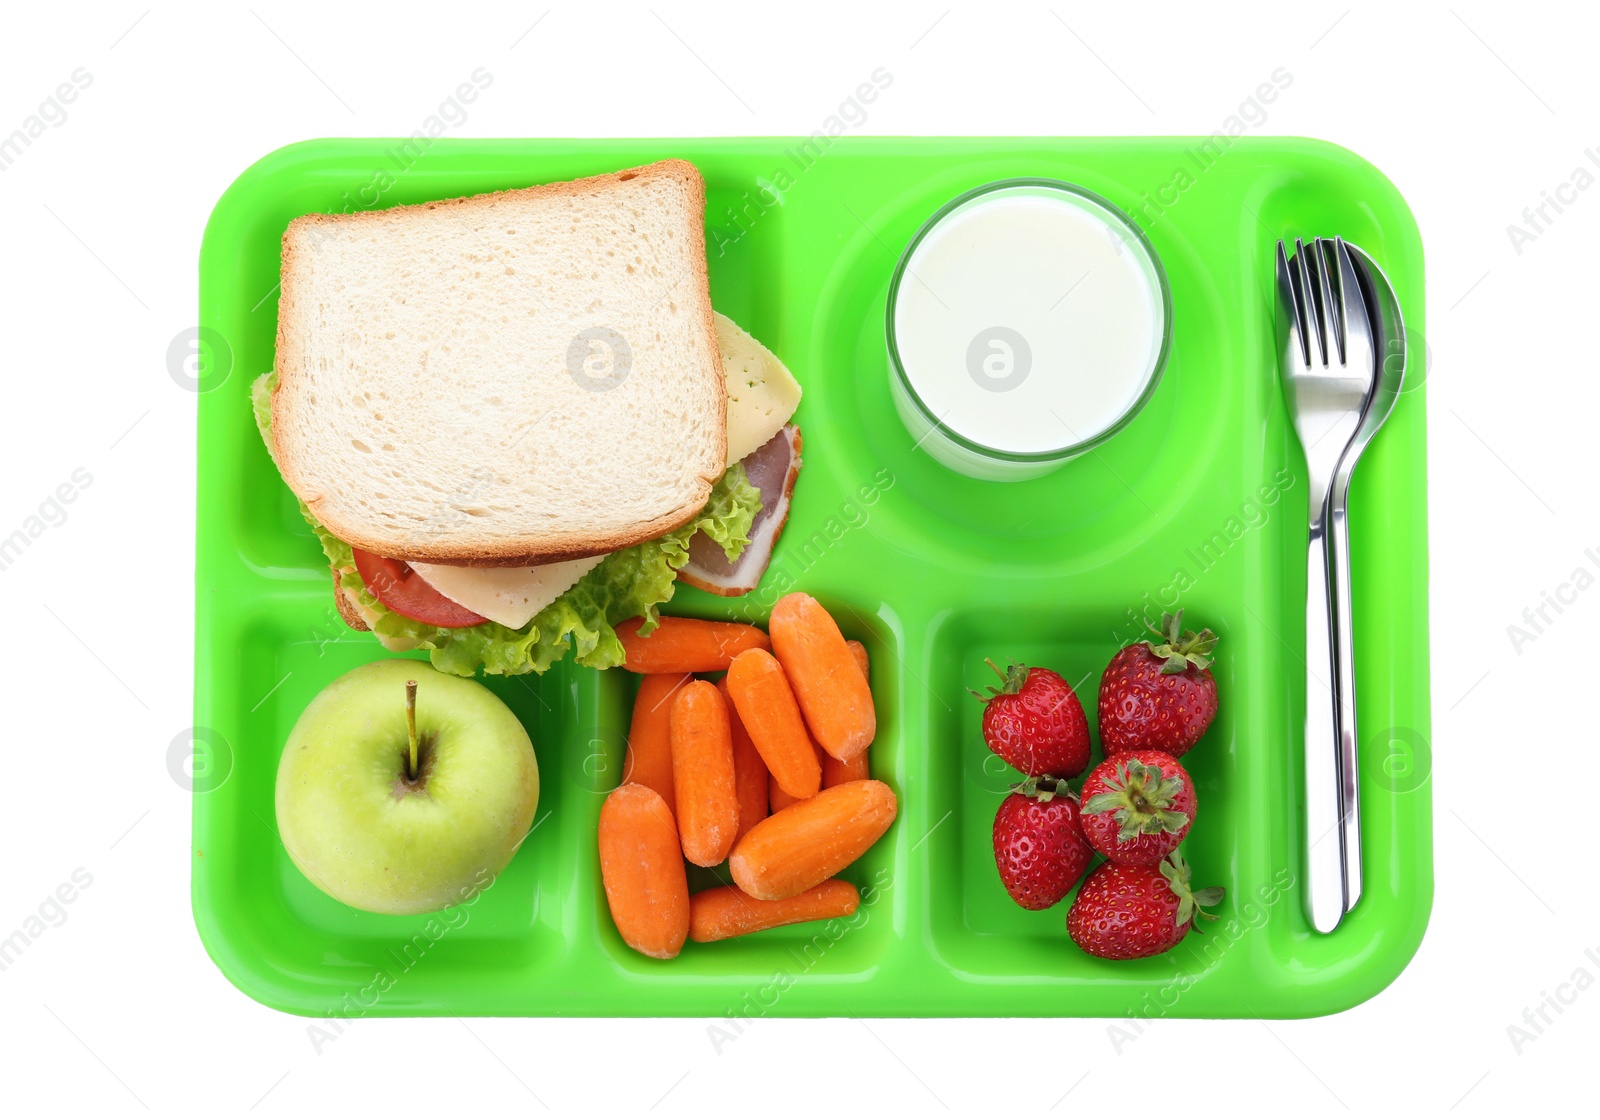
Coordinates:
767	706
780	800
687	645
641	867
749	772
723	912
777	800
797	848
827	681
648	760
859	652
836	773
702	774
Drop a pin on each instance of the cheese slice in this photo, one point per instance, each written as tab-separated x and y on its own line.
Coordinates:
509	596
762	396
762	393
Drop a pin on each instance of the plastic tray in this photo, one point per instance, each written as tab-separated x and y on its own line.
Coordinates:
1199	501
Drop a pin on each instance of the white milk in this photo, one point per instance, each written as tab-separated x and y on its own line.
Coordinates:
1028	320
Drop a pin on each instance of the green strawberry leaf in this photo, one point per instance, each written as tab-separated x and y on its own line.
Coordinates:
1167	820
1103	803
1175	869
1179	649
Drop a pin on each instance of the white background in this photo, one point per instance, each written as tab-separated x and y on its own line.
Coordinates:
1473	113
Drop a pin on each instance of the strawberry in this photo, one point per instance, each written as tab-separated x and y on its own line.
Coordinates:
1137	807
1038	844
1159	695
1035	722
1126	912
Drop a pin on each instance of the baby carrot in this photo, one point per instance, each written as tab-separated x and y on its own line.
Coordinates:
834	772
686	645
641	867
859	652
777	800
827	681
648	760
723	912
749	772
780	800
797	848
702	774
767	706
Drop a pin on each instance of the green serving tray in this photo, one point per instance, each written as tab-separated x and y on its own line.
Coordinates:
1200	502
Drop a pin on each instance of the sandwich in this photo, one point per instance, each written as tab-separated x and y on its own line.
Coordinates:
513	420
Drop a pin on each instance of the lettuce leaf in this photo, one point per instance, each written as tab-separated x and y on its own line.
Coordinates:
630	583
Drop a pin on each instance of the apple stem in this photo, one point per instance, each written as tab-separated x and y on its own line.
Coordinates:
411	729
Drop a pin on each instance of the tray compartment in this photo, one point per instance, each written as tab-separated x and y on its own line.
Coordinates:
300	932
850	949
975	925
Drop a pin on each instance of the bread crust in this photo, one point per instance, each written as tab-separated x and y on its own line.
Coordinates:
347	609
530	549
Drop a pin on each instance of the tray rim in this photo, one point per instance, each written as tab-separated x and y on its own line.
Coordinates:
263	985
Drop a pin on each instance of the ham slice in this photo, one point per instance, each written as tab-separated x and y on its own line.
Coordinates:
771	468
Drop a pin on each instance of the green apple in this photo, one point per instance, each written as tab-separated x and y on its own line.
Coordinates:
405	807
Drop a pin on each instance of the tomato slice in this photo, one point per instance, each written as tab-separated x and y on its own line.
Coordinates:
402	590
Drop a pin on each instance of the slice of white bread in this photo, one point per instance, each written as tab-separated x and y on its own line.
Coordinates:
508	379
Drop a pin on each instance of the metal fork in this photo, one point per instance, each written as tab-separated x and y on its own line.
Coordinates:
1328	372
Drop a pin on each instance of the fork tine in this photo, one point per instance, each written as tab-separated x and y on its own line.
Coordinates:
1296	307
1333	296
1353	320
1315	314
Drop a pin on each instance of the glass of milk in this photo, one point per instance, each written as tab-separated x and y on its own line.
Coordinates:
1028	322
